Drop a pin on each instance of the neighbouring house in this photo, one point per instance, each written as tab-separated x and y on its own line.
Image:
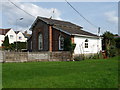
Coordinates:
20	37
12	36
49	35
2	35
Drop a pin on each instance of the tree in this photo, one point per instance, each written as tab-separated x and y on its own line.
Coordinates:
117	40
68	45
6	43
109	44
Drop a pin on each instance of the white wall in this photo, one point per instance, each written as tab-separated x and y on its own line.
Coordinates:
21	38
94	45
1	39
11	35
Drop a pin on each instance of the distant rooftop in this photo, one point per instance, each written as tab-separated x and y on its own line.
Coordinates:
4	31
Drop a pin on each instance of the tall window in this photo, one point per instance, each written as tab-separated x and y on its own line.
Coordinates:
86	43
40	41
61	42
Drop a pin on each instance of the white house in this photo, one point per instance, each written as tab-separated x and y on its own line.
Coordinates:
12	35
21	37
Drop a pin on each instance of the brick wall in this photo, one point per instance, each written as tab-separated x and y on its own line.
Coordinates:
55	35
41	27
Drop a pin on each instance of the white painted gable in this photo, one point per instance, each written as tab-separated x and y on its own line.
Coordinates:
94	45
21	37
11	35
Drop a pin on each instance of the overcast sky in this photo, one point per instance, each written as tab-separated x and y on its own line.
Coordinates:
102	14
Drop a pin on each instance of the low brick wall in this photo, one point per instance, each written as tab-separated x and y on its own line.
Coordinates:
35	56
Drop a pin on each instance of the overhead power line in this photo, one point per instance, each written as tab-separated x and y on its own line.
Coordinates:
21	8
81	14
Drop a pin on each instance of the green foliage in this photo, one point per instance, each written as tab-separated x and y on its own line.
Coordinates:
117	40
12	46
20	45
68	45
112	51
100	73
109	44
79	58
97	56
6	43
92	56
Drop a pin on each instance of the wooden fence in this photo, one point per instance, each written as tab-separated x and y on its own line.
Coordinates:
34	56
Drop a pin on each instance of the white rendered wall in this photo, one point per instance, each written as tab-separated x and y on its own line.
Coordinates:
22	39
94	45
11	39
1	39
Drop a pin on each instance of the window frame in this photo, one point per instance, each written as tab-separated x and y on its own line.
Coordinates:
86	43
61	43
40	41
11	36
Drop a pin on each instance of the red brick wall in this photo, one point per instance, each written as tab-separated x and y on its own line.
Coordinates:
50	38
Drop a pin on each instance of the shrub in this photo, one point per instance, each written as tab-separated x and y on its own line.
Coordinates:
79	58
68	45
112	51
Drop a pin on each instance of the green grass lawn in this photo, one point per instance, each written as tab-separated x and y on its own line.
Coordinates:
79	74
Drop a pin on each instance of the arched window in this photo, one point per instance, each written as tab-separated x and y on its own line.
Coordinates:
86	43
40	41
61	42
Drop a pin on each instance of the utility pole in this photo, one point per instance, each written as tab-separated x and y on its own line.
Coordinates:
98	39
16	32
98	31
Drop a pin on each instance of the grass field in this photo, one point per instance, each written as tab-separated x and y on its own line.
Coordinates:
79	74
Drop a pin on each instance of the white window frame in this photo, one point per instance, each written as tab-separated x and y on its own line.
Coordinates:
40	40
61	37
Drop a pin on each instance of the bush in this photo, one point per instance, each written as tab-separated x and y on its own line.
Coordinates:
68	45
112	51
79	58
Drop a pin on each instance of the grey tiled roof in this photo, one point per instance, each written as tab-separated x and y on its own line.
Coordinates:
66	26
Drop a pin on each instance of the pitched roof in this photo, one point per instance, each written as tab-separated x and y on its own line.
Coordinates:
59	22
4	31
17	32
65	26
74	31
26	35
